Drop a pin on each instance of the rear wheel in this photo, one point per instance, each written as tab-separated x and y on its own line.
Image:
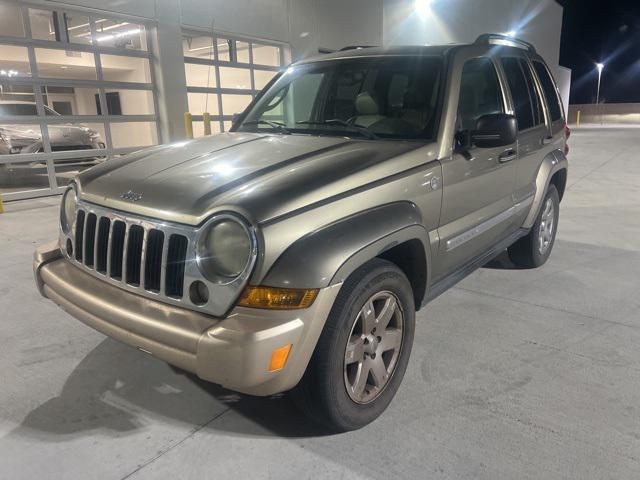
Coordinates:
534	249
363	351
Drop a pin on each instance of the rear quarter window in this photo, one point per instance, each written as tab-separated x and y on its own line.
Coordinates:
549	89
528	108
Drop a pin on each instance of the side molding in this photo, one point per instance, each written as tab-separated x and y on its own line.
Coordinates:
552	162
329	255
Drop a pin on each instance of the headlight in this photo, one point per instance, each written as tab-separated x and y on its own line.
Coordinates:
68	209
224	250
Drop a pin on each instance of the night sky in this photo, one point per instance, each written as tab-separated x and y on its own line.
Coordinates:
606	31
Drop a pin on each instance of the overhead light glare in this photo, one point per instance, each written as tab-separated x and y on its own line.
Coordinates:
511	33
600	66
422	8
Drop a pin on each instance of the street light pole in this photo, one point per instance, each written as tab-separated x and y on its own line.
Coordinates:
600	67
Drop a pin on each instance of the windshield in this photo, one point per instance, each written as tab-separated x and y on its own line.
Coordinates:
381	97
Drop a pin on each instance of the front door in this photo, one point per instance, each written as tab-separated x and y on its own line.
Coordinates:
477	182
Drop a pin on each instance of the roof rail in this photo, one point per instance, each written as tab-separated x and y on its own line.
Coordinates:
500	39
355	47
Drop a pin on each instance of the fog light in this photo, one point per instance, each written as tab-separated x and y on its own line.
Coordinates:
279	358
198	293
278	298
15	149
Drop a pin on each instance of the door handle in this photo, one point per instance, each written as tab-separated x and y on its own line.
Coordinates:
507	155
547	140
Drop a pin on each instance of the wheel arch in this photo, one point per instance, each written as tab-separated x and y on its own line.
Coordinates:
394	232
553	170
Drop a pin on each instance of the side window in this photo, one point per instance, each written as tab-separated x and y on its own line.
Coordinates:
536	101
549	89
527	104
480	92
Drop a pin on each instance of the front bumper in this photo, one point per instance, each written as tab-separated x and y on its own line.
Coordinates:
234	351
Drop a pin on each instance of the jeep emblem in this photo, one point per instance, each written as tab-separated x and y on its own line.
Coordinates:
132	196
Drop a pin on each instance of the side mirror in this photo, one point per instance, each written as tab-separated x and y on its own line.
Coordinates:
494	130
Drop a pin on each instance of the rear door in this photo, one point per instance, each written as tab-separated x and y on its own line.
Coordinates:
534	135
477	182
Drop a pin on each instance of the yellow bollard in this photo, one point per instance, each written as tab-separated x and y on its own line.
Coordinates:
1	204
207	123
188	125
578	119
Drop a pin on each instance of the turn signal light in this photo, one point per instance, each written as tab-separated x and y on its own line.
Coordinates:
279	358
277	298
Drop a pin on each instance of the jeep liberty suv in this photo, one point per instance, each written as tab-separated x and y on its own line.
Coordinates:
293	252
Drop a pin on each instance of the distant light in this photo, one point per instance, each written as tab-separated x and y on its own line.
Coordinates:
422	8
600	66
511	33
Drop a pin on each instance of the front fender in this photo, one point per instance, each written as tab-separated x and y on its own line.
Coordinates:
329	255
552	163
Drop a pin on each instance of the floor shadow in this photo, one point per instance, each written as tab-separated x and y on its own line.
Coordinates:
116	389
503	262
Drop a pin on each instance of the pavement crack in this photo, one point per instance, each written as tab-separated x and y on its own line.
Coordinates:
162	452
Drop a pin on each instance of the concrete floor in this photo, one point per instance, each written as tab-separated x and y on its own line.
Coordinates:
514	373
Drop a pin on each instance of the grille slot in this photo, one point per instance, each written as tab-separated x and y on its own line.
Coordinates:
79	234
117	248
89	239
134	254
176	255
102	244
153	260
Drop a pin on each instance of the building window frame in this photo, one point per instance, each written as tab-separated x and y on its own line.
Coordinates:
223	118
104	119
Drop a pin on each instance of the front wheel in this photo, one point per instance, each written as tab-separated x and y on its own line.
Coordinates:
534	249
363	351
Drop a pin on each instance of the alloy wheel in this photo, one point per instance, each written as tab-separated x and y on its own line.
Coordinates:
547	224
373	348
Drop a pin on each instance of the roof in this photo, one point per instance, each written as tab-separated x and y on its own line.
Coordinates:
408	50
492	40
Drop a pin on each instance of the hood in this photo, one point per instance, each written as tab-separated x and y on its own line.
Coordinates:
263	176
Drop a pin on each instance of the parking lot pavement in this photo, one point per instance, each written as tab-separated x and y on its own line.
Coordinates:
514	373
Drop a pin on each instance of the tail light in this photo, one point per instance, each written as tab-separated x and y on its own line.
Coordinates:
567	134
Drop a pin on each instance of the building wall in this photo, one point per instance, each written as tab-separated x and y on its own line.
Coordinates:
462	21
309	25
563	79
305	24
605	113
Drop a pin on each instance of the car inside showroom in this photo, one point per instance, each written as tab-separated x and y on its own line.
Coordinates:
319	239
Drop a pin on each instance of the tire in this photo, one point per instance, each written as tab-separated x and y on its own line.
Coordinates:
534	249
332	391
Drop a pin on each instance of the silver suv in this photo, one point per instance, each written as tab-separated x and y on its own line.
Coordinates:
293	252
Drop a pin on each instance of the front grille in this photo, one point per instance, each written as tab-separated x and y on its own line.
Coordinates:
153	258
131	253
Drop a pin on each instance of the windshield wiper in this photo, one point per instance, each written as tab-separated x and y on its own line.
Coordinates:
336	121
276	125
